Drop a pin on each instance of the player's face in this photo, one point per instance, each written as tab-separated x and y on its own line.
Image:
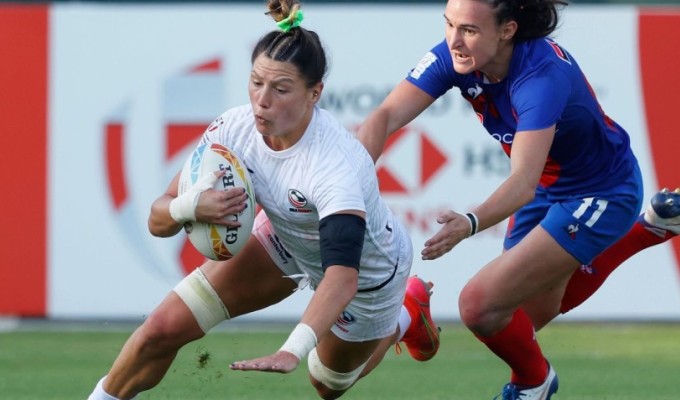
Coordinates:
282	103
476	42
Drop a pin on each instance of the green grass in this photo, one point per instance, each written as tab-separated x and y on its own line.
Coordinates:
594	361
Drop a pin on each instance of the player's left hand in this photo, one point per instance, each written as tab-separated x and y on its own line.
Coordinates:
281	361
456	227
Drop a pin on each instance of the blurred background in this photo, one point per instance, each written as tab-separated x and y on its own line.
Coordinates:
102	101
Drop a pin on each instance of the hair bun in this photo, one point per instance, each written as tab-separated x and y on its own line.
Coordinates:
282	9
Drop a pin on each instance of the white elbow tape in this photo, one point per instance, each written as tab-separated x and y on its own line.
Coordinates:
183	207
202	300
301	341
329	378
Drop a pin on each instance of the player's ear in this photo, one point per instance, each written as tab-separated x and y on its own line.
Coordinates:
316	92
508	30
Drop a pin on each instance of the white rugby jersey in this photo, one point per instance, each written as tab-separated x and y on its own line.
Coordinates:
326	171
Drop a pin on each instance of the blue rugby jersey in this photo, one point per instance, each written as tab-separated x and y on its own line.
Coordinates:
544	86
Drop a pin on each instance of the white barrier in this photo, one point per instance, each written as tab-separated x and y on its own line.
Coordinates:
131	85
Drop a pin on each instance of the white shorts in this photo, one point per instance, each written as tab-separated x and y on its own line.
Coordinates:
370	315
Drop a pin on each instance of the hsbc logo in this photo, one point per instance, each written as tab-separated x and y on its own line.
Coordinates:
410	160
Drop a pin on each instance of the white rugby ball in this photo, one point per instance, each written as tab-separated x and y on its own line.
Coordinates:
218	242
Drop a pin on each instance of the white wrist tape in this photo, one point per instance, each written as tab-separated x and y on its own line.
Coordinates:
183	207
301	341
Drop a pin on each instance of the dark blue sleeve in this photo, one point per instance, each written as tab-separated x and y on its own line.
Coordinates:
434	73
540	97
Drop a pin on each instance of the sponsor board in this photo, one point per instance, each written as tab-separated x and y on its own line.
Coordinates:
124	107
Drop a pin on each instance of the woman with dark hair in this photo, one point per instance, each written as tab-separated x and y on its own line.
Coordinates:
336	235
574	188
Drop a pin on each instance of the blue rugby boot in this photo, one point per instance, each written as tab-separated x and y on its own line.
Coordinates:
543	391
664	211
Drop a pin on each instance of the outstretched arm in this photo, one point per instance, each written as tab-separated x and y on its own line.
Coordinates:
335	291
401	106
341	242
527	161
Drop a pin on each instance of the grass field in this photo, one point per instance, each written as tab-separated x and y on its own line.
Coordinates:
594	362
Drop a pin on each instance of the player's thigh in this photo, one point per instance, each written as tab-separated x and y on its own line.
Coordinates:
526	219
571	233
249	281
537	264
587	226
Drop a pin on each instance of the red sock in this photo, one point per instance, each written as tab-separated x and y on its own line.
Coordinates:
589	278
516	345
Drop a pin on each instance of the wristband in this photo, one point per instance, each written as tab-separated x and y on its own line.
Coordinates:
301	341
474	222
183	207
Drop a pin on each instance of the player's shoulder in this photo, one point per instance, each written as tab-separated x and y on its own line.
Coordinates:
330	127
538	52
231	128
541	58
434	73
436	61
339	143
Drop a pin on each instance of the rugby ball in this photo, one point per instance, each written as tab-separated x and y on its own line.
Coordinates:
218	242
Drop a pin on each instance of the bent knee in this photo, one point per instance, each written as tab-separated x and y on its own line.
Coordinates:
330	384
163	332
475	312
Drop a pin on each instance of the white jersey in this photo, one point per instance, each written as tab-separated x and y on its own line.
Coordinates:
326	171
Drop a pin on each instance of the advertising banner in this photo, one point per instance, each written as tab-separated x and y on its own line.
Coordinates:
102	104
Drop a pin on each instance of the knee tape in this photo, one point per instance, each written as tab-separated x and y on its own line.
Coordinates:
202	300
331	379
